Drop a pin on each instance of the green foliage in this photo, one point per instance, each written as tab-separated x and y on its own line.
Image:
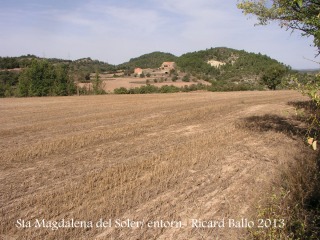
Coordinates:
82	68
146	89
272	77
240	66
169	89
163	89
225	86
9	63
302	15
97	84
121	90
62	84
303	216
142	75
186	78
45	79
174	78
196	62
172	72
194	87
8	82
16	62
151	60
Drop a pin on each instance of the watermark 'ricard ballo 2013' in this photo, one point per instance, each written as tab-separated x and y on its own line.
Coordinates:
238	223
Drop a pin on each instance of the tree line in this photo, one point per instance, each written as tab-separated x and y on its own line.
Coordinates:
55	77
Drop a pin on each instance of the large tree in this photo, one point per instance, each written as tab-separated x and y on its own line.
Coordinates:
45	79
273	75
303	15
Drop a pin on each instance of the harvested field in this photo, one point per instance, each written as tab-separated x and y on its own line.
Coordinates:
110	83
171	157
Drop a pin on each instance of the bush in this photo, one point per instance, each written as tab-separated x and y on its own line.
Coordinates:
45	79
273	76
223	86
186	78
174	78
169	89
121	90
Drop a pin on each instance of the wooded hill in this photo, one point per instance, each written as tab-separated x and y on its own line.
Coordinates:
239	64
238	69
150	60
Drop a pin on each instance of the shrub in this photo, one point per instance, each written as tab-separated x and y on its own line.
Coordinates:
186	78
121	90
174	78
169	89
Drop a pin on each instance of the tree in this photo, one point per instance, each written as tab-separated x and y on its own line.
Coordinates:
43	79
142	75
97	84
273	76
41	75
63	84
303	15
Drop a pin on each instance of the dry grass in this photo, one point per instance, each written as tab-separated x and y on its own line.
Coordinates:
143	157
110	83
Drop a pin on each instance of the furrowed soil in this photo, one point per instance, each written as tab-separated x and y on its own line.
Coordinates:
172	157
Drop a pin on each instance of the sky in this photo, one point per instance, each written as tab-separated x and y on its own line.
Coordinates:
114	31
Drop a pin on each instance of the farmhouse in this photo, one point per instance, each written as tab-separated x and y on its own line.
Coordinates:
167	66
138	71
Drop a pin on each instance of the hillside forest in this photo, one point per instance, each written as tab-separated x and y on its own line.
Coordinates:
30	75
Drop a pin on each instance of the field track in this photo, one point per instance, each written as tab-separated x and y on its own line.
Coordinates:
150	157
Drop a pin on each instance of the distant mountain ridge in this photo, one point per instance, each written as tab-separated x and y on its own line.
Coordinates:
155	59
214	64
223	69
312	71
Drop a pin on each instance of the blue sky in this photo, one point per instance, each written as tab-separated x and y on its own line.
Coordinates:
116	30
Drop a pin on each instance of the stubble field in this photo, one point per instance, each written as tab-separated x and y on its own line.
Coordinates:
176	158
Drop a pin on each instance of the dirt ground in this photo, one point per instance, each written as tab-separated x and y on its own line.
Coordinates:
109	84
186	159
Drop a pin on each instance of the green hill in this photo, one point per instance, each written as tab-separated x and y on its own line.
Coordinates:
227	69
238	65
150	60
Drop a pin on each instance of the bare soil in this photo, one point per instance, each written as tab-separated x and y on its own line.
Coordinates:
171	157
109	83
